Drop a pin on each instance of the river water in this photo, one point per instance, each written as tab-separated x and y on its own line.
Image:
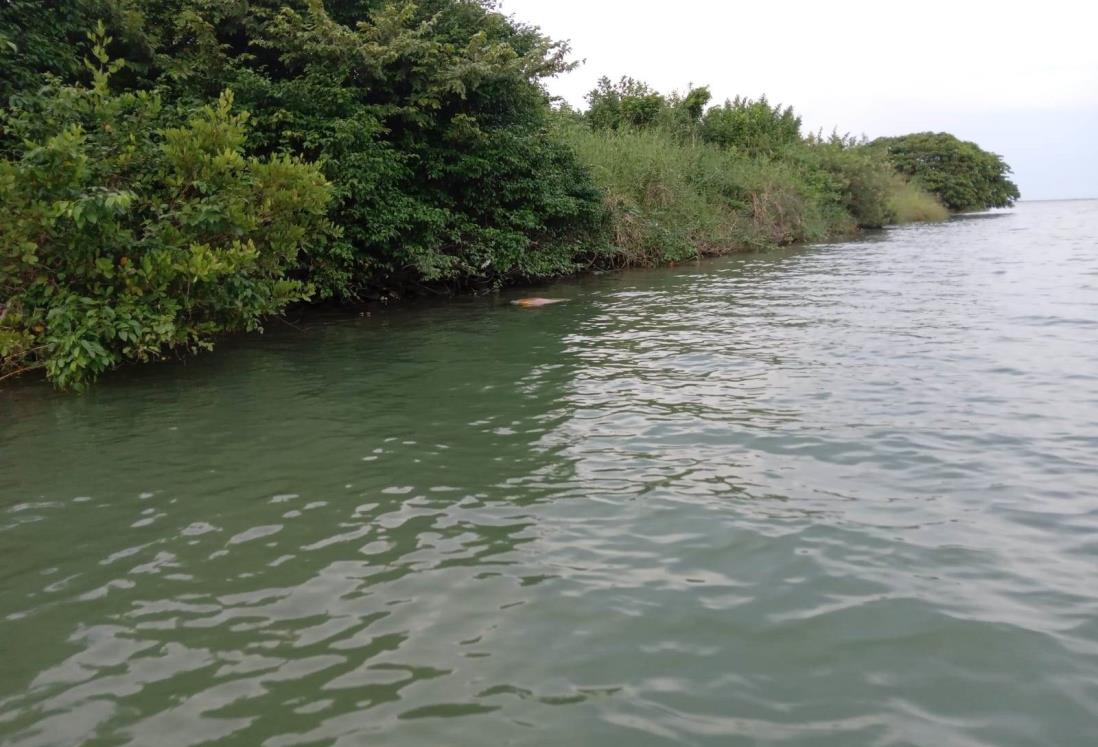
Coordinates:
836	495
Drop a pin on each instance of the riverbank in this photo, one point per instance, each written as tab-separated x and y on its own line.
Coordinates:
160	193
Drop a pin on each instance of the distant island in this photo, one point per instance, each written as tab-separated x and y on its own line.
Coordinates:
175	170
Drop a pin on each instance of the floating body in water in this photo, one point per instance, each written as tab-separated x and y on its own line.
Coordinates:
533	303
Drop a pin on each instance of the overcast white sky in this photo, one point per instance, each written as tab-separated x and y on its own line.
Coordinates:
1020	79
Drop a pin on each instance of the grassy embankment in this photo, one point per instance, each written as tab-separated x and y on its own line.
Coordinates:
672	198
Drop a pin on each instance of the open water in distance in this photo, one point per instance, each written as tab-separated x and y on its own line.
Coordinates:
838	495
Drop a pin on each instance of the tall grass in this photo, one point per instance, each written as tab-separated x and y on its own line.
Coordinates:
672	198
910	204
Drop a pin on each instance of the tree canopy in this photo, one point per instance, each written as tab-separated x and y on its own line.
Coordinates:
962	175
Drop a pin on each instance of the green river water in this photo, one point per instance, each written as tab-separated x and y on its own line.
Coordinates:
837	495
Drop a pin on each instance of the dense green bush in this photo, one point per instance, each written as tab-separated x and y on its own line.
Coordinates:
755	127
961	174
123	239
427	118
627	103
43	38
848	178
37	37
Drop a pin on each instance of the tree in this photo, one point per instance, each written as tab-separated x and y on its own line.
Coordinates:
961	174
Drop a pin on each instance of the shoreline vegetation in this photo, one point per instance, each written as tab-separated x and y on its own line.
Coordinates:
172	171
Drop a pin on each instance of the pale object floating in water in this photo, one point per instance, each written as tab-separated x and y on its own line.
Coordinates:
533	303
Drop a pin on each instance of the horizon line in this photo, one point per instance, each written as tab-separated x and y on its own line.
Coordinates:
1059	199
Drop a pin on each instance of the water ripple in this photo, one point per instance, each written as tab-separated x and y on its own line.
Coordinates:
836	495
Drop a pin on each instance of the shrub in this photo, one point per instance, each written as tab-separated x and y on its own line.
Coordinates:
627	103
124	239
43	38
754	127
428	118
38	38
848	177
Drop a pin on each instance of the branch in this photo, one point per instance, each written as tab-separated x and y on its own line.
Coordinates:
23	370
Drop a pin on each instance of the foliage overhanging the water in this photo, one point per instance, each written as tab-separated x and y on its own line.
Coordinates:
193	167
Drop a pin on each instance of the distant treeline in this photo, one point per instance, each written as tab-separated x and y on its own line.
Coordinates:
173	170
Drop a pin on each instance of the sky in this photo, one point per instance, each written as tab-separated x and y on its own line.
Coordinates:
1019	79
